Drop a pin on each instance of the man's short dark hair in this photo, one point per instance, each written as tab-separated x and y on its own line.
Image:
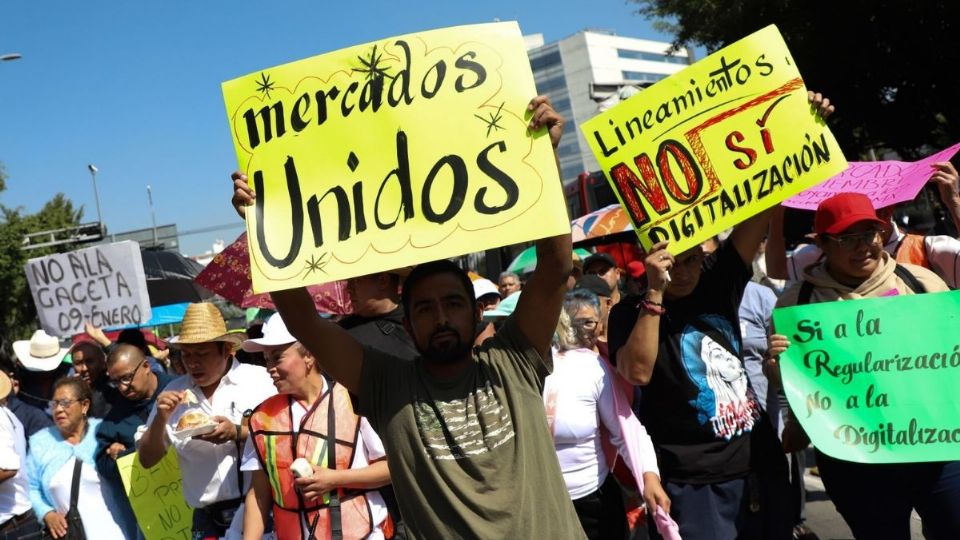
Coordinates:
135	337
432	268
124	350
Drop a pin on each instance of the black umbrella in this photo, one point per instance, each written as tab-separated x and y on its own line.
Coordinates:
170	278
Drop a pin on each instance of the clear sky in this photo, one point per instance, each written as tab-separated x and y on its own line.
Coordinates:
134	88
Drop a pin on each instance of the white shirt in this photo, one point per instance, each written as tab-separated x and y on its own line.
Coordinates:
369	449
210	470
943	252
580	394
98	521
14	493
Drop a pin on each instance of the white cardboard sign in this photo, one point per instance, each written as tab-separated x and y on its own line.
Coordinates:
102	284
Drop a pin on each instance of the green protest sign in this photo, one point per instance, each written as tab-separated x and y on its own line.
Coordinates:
875	380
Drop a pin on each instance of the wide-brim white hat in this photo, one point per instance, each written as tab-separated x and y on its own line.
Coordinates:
274	333
42	352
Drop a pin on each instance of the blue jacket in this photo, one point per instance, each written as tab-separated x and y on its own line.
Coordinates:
48	453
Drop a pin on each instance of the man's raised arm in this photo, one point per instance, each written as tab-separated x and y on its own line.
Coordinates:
337	352
539	306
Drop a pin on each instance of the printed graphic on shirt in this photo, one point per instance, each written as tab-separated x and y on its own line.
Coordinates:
463	428
724	399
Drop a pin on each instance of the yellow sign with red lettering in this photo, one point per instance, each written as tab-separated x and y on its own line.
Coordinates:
714	144
392	153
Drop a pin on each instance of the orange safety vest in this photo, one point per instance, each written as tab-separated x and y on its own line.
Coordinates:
913	250
278	445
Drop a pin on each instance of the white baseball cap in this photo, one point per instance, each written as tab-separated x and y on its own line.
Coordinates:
274	333
483	287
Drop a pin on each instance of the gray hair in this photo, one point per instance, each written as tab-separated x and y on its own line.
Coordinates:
566	338
510	274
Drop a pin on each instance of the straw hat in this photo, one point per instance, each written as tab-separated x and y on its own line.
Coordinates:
5	385
42	352
203	323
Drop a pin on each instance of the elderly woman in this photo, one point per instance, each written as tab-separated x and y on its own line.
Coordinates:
856	266
310	414
53	454
579	399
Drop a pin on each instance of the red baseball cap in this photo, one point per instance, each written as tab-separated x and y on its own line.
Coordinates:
842	211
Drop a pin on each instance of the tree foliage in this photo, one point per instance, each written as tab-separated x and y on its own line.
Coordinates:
18	315
887	64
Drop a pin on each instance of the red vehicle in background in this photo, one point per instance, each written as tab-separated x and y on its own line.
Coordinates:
591	192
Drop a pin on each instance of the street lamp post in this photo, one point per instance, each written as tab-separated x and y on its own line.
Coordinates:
153	215
93	174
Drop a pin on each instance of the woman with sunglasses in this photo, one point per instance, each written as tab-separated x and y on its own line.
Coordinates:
581	413
874	500
51	461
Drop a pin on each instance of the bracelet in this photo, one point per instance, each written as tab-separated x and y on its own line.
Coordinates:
652	307
239	429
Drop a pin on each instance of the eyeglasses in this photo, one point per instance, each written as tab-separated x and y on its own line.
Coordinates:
586	324
127	379
851	241
65	403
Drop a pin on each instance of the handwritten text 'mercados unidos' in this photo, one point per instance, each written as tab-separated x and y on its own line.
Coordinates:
466	70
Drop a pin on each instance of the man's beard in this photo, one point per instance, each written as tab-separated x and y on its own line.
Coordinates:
446	353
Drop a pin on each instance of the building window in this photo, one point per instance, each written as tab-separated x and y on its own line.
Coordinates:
551	84
639	76
571	170
549	59
653	57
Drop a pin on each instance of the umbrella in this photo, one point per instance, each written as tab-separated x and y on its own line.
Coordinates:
609	223
228	275
170	278
526	261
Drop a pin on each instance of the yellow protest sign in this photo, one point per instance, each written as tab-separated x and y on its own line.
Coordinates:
714	144
392	153
156	497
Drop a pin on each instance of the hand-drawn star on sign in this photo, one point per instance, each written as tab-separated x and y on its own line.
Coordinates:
372	66
493	122
316	265
264	85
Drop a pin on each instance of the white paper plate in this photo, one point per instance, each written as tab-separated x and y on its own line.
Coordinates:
193	432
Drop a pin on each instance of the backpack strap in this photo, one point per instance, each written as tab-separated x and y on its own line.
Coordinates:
806	291
910	279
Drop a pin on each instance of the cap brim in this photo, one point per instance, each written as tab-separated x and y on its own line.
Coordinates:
260	344
851	220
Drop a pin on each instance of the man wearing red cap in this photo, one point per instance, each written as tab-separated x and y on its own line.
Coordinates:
855	266
939	253
849	235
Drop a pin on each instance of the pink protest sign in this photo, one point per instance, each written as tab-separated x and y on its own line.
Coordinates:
885	182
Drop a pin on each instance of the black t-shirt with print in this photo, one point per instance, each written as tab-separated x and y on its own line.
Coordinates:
698	407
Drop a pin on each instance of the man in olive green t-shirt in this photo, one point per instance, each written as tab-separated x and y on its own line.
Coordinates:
465	431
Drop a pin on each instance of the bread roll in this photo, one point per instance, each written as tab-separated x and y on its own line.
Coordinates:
193	419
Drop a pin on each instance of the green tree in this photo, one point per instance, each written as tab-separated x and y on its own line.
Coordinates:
887	64
18	317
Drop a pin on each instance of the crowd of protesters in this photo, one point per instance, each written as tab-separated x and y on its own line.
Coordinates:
592	398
